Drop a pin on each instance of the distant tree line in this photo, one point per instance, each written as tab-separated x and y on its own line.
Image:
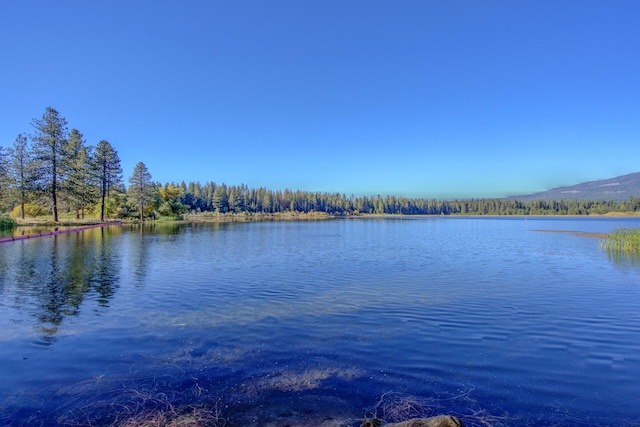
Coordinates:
222	198
53	170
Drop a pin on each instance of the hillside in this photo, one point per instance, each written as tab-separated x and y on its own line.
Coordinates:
619	188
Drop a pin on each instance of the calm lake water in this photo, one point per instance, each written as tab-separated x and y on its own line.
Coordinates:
322	323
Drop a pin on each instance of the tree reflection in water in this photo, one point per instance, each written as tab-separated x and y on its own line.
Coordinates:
52	276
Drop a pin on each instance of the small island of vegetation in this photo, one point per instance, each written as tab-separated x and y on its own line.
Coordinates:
623	240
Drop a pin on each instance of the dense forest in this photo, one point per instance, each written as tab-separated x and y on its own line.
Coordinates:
54	171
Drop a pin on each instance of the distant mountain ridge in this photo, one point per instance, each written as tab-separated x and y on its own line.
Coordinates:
619	188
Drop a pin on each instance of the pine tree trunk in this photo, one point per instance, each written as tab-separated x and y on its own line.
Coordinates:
54	194
104	190
102	209
55	202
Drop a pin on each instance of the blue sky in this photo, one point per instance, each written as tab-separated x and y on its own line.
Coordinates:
425	98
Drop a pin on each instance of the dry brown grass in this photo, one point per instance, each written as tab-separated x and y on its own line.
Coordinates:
393	407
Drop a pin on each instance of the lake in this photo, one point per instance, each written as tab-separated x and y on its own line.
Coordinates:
499	321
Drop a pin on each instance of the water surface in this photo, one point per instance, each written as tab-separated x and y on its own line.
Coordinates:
269	322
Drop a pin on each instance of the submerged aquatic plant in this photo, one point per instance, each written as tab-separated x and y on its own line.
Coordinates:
395	407
623	239
102	401
168	416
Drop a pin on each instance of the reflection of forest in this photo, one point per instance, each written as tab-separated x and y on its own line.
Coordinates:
53	276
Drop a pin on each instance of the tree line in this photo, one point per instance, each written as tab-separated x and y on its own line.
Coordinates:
236	199
54	169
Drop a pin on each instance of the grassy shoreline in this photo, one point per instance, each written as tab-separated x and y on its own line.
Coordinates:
287	216
205	217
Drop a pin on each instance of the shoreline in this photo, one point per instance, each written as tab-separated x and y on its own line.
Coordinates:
72	226
286	216
55	232
617	215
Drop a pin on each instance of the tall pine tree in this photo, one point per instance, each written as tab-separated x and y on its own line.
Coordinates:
4	180
21	170
107	171
50	135
141	188
77	165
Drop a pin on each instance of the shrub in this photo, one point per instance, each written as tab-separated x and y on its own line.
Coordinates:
7	223
30	211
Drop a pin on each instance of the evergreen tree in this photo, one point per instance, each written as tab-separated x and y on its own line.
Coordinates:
21	170
235	200
221	199
141	188
50	135
107	171
208	192
78	185
5	202
4	174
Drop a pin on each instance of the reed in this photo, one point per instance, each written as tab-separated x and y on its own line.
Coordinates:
623	239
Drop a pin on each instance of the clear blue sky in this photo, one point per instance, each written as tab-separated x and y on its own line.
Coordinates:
424	98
